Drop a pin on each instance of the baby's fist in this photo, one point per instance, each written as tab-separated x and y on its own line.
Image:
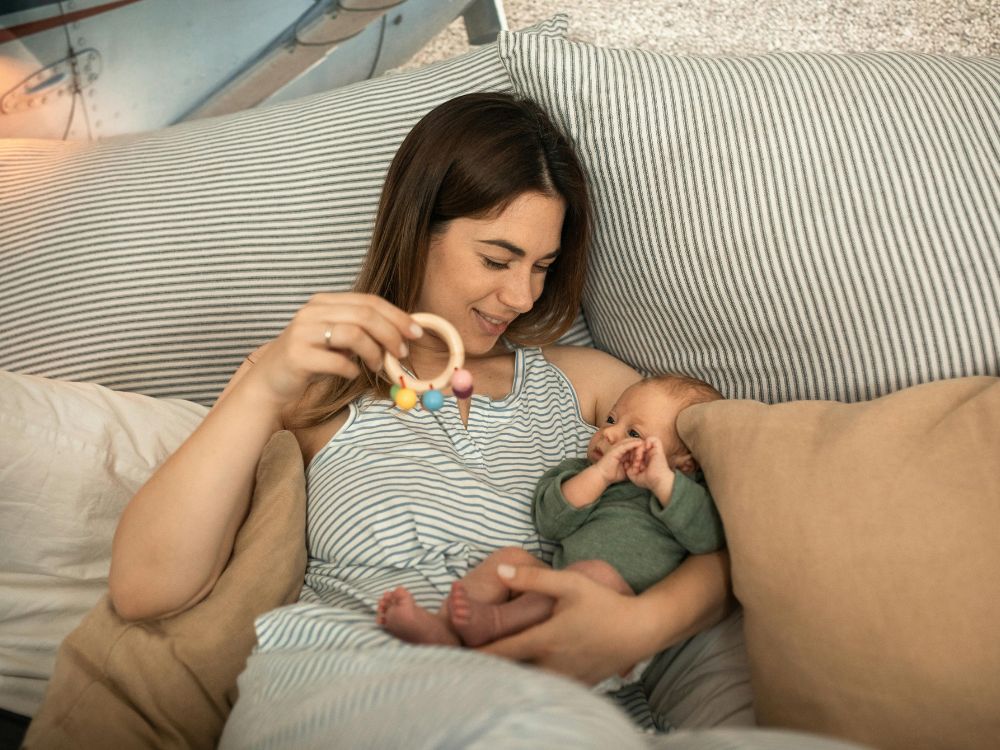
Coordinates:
614	463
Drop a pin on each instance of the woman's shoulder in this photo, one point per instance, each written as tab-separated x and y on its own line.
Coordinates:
597	377
586	360
313	439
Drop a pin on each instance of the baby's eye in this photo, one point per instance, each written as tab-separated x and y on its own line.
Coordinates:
610	420
634	433
493	264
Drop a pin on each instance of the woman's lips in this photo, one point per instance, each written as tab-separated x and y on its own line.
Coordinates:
488	326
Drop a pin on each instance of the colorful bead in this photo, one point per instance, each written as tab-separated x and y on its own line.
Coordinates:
406	398
461	380
432	400
424	390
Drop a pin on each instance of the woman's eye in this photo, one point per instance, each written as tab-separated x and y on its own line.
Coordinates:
494	264
543	269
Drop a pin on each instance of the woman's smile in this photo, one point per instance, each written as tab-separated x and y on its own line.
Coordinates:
490	325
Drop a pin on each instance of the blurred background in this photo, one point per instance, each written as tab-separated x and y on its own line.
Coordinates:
93	69
957	27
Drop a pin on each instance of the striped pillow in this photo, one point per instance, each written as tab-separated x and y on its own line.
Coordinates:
154	263
786	226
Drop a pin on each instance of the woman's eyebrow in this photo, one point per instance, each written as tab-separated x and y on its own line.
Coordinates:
511	247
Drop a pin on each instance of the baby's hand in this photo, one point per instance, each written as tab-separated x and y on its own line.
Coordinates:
649	469
612	465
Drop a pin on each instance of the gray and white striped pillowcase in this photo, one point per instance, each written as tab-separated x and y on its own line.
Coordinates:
155	263
786	226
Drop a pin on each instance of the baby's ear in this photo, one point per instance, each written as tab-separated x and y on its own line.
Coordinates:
684	462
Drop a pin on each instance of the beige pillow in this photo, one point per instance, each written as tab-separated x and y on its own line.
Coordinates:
865	542
171	683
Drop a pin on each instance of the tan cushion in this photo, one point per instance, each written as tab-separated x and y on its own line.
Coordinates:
171	683
865	542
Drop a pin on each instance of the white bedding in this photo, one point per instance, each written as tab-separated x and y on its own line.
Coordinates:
71	456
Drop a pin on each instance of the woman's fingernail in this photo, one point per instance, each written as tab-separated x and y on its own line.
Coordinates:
506	571
403	349
416	330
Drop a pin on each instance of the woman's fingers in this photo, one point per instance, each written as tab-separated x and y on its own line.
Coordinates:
348	339
556	584
526	646
530	645
327	336
589	633
375	307
352	325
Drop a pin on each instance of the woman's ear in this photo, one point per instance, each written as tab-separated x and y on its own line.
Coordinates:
684	462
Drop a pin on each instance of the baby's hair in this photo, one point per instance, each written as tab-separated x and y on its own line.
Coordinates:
691	390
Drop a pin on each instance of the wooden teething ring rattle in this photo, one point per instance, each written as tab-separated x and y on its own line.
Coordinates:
405	387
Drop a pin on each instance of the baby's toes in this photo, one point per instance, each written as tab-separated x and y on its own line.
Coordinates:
458	604
384	605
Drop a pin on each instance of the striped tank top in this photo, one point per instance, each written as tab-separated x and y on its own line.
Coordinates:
417	499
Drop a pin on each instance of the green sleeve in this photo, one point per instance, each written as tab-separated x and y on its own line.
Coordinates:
554	517
691	516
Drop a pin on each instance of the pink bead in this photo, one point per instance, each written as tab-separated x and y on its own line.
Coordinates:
461	394
461	380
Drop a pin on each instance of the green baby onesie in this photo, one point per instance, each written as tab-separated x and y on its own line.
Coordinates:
627	527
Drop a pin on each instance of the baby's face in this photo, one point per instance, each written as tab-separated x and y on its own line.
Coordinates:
643	410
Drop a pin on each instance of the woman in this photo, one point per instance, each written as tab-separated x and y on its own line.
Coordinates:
484	220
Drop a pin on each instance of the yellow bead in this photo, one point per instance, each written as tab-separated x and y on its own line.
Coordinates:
406	398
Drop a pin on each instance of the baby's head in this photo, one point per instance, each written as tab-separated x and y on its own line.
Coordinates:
649	409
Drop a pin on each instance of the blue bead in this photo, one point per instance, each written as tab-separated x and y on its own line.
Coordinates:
432	400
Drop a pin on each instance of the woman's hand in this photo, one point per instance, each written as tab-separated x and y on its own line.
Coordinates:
360	326
594	632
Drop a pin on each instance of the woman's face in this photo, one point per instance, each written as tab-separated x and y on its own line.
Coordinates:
483	273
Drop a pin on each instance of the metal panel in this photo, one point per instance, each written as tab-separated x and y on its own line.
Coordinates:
484	19
158	58
308	42
386	44
97	68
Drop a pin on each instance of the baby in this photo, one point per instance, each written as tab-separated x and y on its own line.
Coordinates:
625	516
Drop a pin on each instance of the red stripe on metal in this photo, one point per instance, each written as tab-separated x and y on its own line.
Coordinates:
34	27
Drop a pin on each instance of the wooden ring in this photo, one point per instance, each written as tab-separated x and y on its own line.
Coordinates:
450	335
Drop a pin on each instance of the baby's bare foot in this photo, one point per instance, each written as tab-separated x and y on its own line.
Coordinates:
399	614
476	623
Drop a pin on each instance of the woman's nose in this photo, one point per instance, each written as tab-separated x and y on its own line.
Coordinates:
517	292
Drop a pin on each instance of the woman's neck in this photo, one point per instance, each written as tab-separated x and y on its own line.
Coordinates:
428	358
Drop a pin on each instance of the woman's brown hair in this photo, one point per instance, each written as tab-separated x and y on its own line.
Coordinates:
469	158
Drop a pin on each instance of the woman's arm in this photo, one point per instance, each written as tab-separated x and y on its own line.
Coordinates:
176	534
595	632
597	377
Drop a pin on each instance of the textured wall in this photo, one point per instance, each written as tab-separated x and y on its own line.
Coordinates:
958	27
